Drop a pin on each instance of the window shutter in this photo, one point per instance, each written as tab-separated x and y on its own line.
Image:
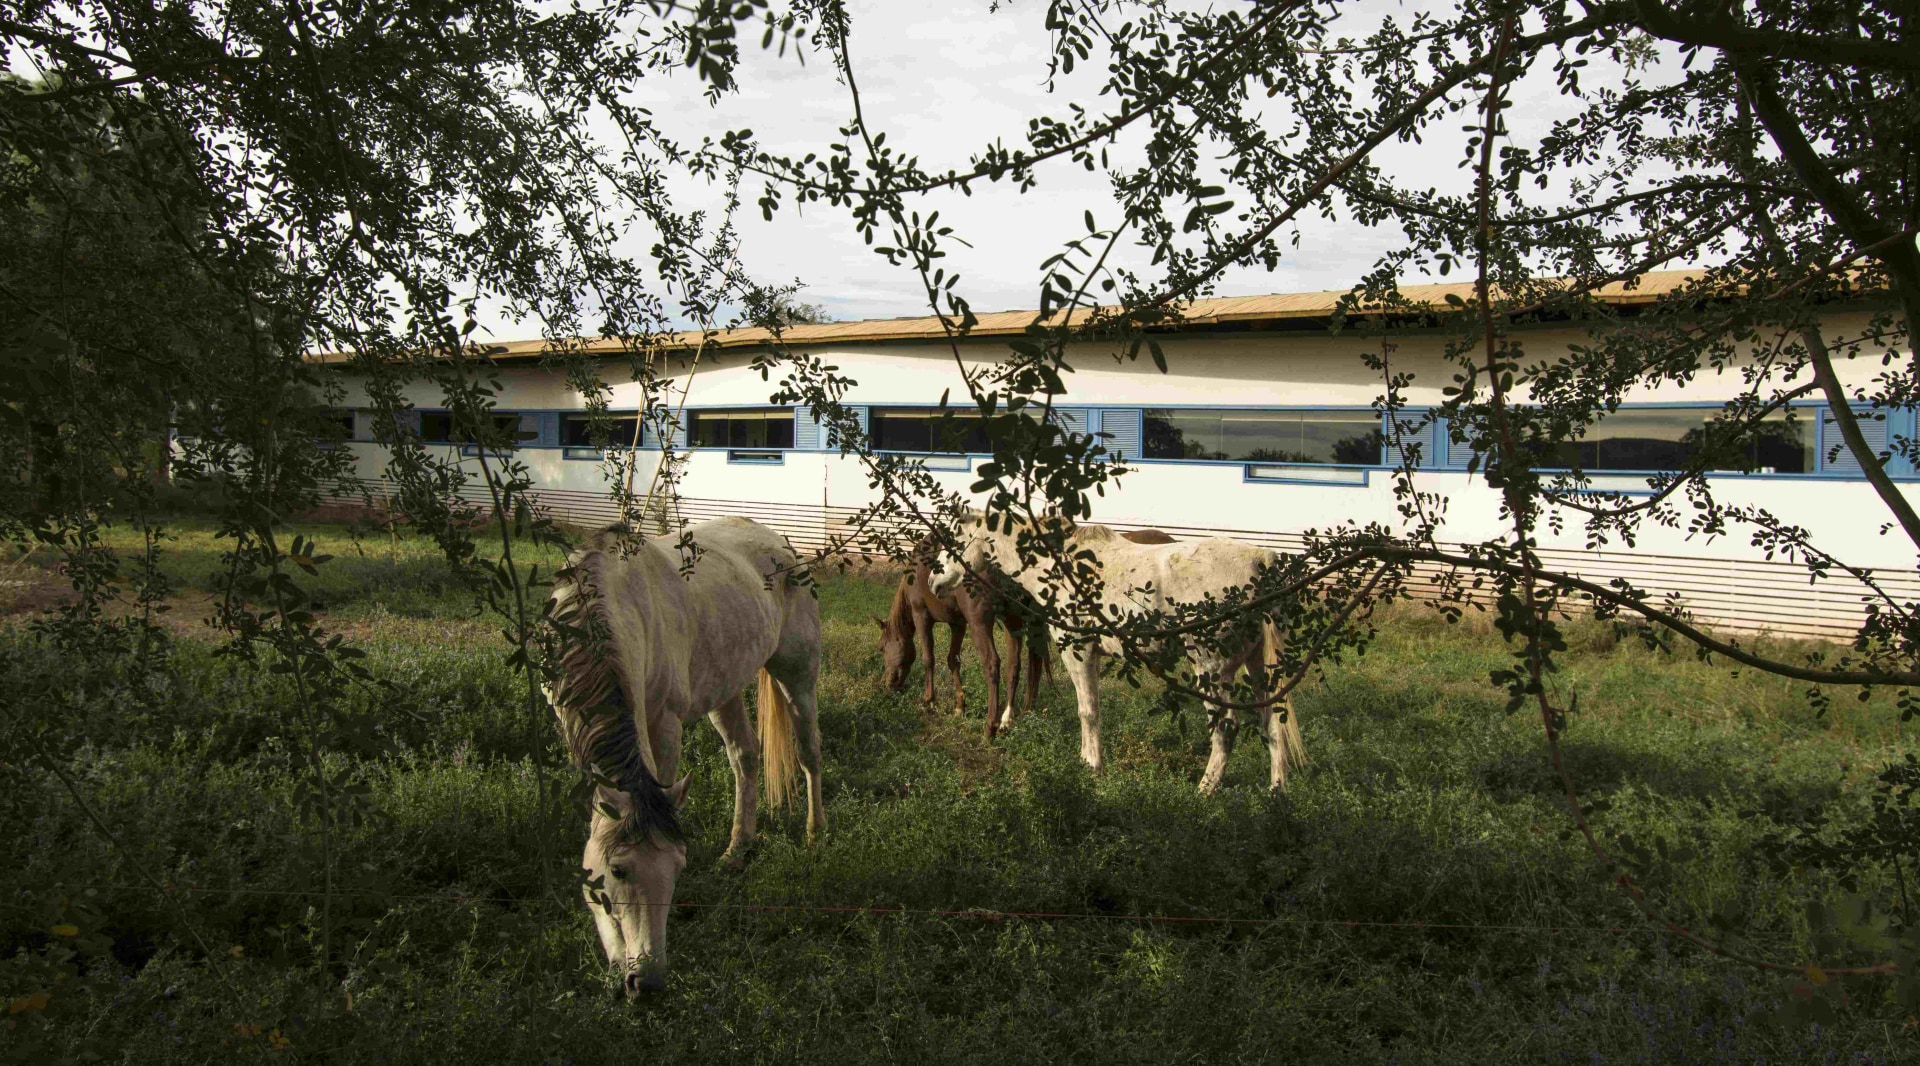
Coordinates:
806	431
405	420
833	438
1126	429
1835	456
1074	419
1447	454
549	426
1418	428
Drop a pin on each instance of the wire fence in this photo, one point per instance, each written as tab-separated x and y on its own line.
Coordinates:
983	914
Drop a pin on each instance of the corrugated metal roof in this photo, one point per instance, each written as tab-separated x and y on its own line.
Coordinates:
1276	307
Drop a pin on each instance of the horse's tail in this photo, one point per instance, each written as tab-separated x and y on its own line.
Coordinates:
779	758
1293	751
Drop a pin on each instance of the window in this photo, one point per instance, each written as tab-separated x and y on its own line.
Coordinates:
1346	437
1672	439
575	430
436	427
760	428
343	420
928	429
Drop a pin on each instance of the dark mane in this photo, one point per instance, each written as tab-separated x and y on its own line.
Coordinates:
596	718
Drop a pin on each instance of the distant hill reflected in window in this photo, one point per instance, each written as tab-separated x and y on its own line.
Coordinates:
1350	438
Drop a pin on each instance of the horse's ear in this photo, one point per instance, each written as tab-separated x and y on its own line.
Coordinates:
678	793
879	621
612	803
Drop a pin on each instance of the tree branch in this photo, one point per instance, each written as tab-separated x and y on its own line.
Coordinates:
1729	36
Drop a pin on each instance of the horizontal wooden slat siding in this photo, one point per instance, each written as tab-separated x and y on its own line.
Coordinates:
1731	594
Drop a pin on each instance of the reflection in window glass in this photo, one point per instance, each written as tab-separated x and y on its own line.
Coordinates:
928	429
1672	439
757	428
437	427
576	430
1344	437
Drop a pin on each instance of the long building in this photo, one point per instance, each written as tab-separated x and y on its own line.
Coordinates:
1262	427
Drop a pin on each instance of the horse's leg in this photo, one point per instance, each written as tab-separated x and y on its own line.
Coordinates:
743	754
1226	722
981	625
1036	652
1083	669
959	636
923	629
1273	725
1016	647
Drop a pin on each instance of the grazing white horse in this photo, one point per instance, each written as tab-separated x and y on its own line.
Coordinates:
664	649
1144	579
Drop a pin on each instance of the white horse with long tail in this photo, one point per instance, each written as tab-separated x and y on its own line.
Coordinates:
1144	579
652	648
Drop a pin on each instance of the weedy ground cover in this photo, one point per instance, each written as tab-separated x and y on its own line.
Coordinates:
1413	898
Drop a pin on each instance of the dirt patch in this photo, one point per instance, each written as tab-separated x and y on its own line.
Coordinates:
32	595
188	616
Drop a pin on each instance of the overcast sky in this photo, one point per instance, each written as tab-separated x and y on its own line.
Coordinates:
944	79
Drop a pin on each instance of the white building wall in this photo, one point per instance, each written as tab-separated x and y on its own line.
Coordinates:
1253	370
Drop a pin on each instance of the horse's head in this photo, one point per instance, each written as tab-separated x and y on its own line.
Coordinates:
896	642
635	879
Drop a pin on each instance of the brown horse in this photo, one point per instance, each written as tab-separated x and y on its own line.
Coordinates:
912	618
915	612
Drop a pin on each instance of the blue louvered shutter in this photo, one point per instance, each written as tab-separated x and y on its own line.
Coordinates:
1126	430
1835	456
833	438
806	431
1447	454
1074	419
549	430
362	423
1416	429
405	420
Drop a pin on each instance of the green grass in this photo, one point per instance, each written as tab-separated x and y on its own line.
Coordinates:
461	938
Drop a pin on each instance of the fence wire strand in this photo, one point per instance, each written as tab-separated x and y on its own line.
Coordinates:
988	914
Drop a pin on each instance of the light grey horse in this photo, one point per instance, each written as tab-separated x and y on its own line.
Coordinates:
1144	579
662	648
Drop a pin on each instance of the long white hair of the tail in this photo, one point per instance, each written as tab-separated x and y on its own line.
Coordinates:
1293	749
779	758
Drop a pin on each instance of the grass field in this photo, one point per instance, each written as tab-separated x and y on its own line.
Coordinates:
461	937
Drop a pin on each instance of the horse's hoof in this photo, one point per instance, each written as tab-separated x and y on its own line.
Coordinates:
735	857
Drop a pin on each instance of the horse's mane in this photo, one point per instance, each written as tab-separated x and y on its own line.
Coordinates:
899	615
596	719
